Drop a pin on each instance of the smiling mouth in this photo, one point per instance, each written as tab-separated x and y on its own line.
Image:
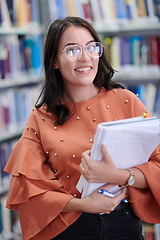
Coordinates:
83	69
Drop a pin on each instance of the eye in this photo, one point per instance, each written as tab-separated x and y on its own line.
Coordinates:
91	48
73	51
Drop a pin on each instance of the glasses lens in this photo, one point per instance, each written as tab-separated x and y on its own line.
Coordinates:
72	52
94	49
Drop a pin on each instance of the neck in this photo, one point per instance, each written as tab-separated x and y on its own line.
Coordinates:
80	94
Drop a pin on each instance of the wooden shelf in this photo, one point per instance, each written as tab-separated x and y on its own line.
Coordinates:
23	80
7	135
32	29
130	28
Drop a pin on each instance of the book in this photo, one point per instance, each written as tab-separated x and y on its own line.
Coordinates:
44	12
79	8
3	58
141	92
6	220
21	13
87	10
115	53
129	11
10	7
135	53
108	12
5	17
154	45
121	11
71	8
125	141
96	12
157	103
151	91
157	231
156	5
151	13
133	9
34	13
1	15
107	42
141	8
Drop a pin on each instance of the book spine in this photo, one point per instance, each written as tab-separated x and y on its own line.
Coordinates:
120	9
6	21
71	7
156	5
79	8
129	12
115	53
15	107
2	62
34	12
87	10
141	8
10	6
96	12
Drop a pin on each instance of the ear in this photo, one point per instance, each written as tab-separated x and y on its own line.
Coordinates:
55	66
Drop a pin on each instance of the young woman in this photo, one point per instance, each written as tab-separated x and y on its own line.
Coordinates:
46	162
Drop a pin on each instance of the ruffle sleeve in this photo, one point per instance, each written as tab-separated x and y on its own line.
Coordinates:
146	202
35	191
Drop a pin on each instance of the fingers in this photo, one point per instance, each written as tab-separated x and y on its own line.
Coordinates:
86	158
84	161
82	168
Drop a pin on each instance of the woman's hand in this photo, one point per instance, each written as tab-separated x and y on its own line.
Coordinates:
99	203
103	171
96	202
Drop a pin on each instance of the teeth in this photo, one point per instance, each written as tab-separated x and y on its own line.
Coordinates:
83	69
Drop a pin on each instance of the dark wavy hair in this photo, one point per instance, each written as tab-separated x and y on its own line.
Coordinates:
53	86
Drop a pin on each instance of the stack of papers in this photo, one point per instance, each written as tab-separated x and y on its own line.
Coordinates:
130	142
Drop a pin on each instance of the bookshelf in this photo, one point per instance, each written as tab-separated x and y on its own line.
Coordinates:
21	77
114	20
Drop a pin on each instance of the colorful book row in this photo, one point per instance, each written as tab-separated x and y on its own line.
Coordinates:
19	13
15	107
149	94
20	55
134	55
151	231
105	11
9	222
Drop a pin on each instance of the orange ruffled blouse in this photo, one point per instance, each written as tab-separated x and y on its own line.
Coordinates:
45	164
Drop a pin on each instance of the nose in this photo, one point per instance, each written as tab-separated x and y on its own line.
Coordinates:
84	55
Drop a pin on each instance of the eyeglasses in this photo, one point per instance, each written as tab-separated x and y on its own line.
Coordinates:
74	52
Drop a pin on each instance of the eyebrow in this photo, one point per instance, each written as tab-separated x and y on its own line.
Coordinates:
68	44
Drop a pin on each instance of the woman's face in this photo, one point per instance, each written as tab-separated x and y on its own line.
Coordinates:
83	71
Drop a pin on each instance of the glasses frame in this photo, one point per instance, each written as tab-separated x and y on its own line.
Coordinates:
81	47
